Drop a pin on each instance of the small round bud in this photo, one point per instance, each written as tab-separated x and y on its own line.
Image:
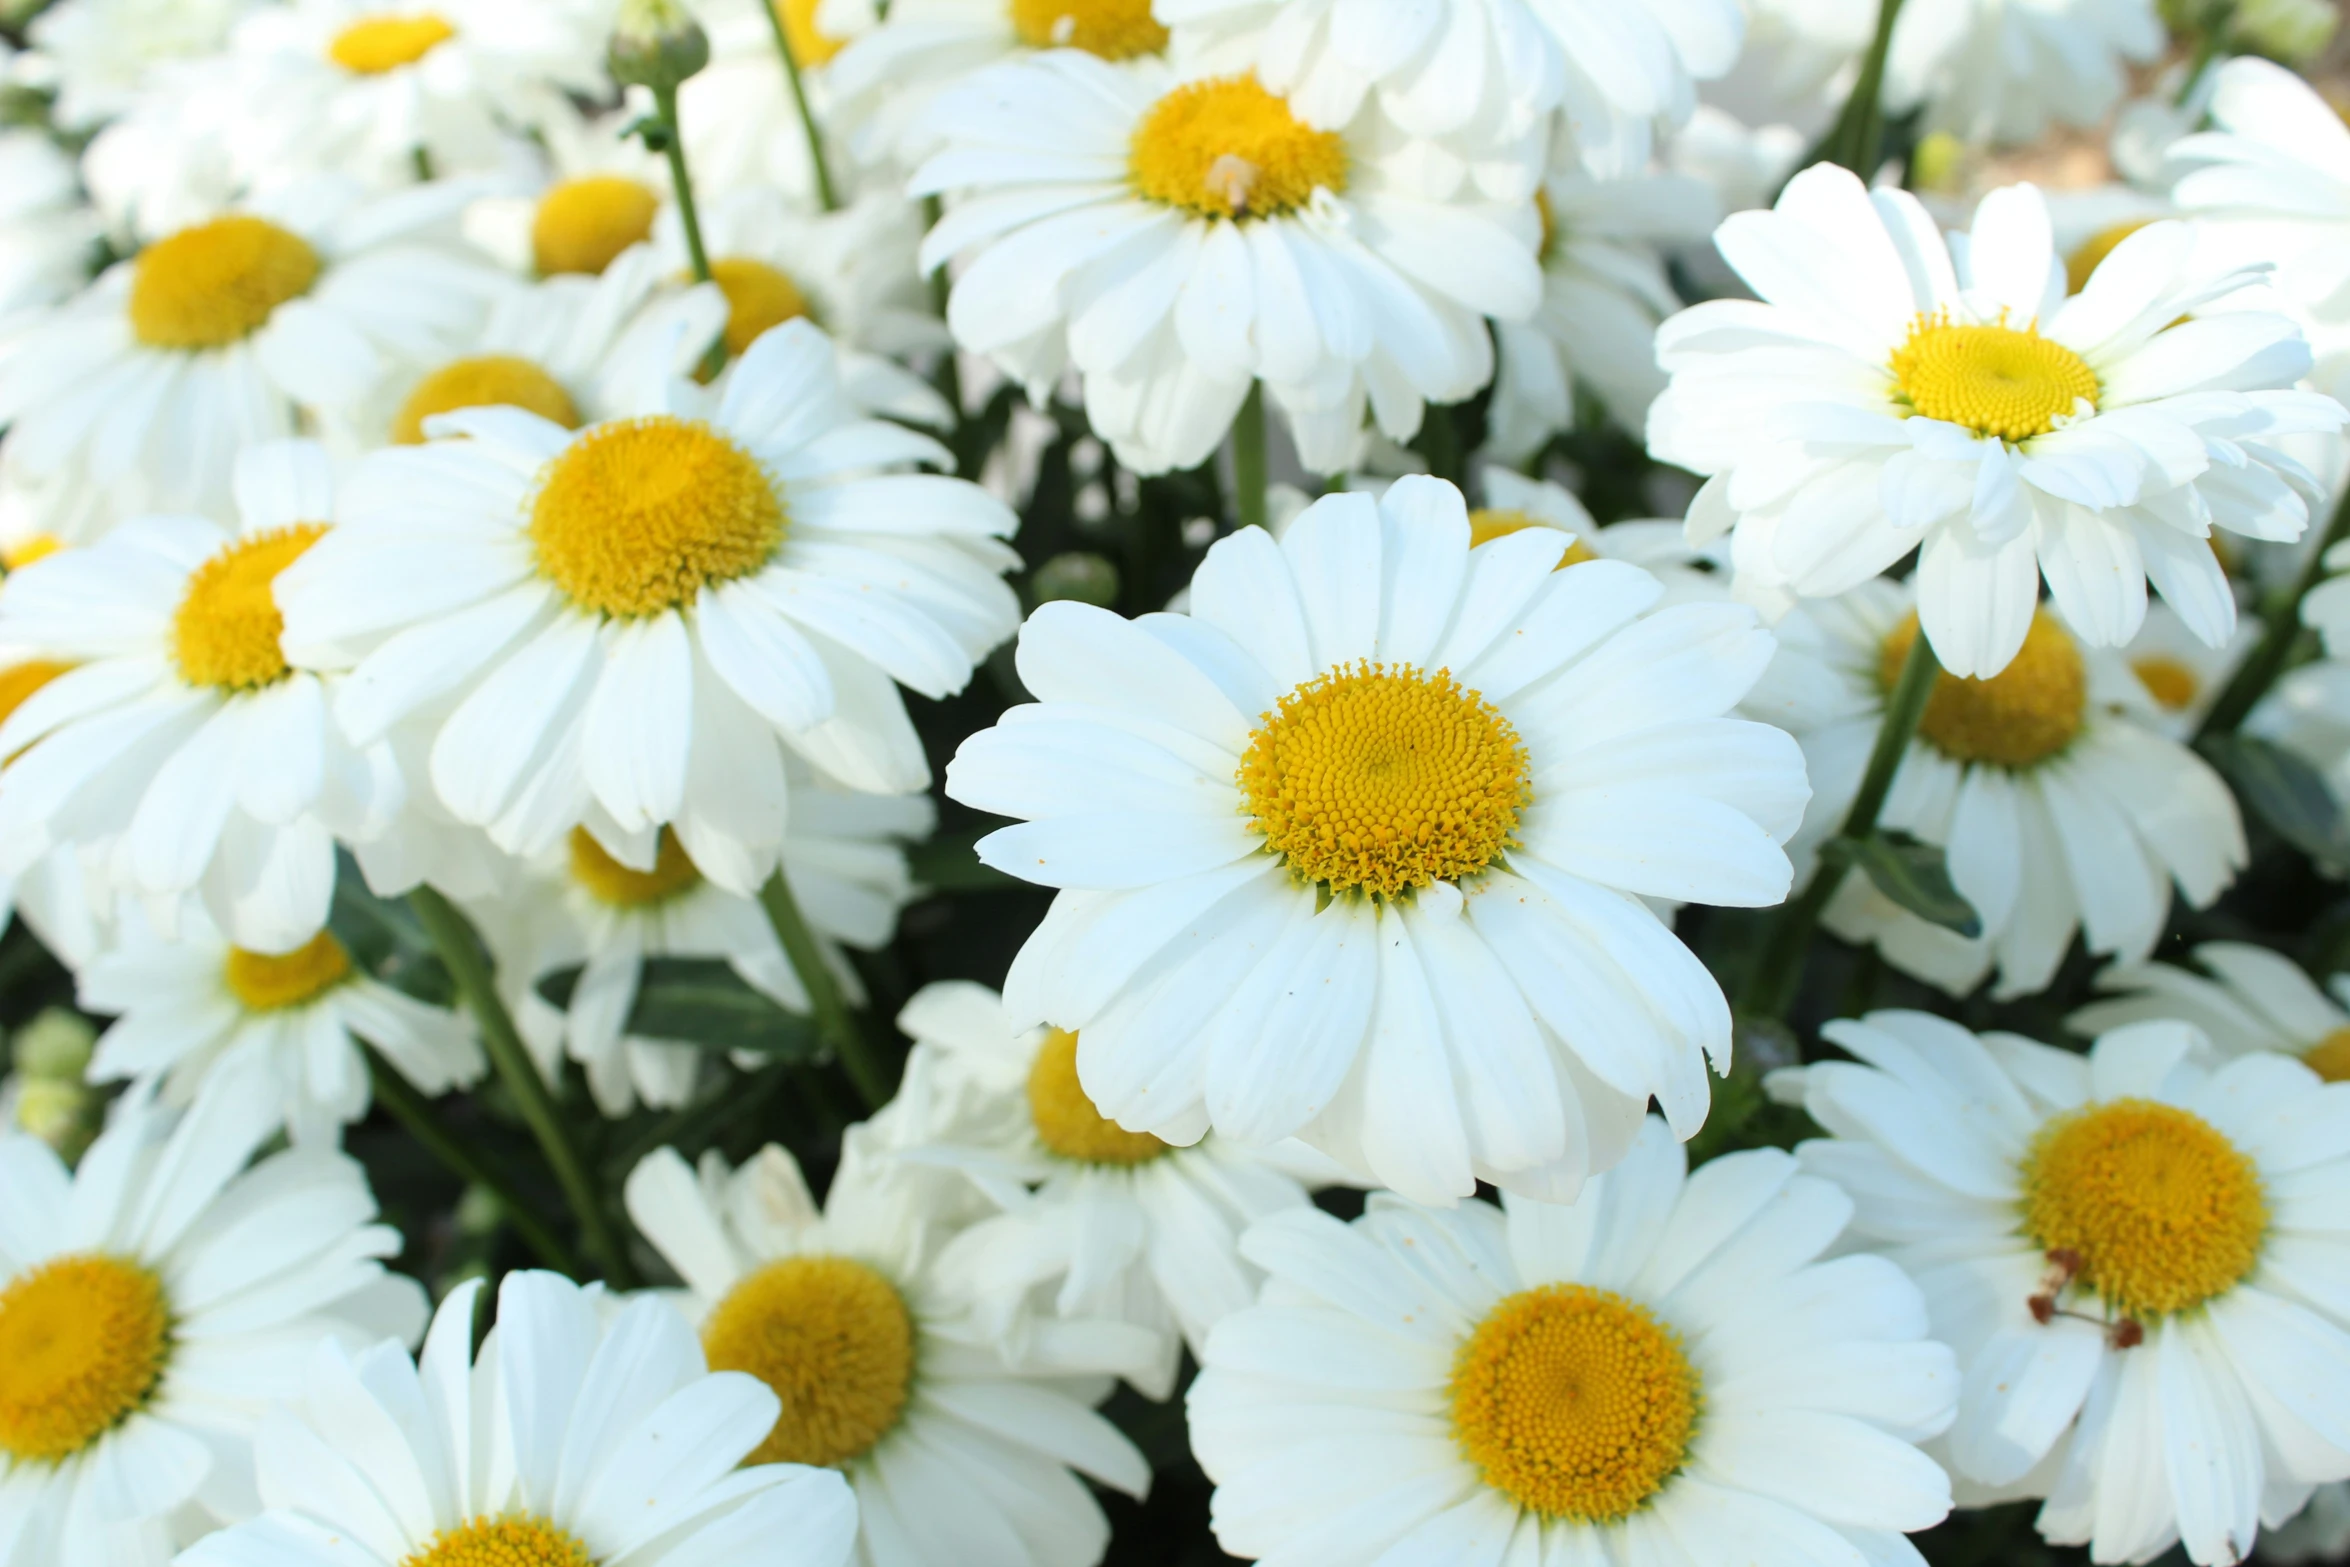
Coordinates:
63	1115
479	1211
56	1045
656	44
1079	575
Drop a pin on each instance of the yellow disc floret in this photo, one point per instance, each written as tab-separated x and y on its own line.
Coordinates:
30	548
1384	779
2083	263
218	282
2171	683
225	632
510	1540
834	1340
268	982
758	299
2159	1211
810	44
625	887
1574	1402
636	516
376	44
18	682
1994	380
1488	523
582	224
1227	148
2023	715
2329	1058
83	1341
1064	1113
1113	29
488	381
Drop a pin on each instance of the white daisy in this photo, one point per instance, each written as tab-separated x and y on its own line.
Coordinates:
582	1432
1354	851
1172	239
957	1456
1665	1373
1094	1221
741	125
183	738
105	52
2135	1256
625	625
153	1303
2059	801
1998	70
146	384
190	1010
2253	999
1657	545
48	235
1887	397
2182	674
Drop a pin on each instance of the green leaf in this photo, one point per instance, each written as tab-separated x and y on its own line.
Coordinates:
2284	791
702	1001
1913	874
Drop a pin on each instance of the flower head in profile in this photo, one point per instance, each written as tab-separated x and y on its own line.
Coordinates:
2243	997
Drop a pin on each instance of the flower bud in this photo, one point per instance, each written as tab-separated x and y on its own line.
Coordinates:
656	44
55	1046
1079	575
2290	31
62	1114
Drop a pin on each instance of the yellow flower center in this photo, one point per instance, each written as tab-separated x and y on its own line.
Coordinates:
19	681
83	1341
1488	523
489	381
810	45
2329	1058
2082	263
269	982
581	224
376	44
836	1343
1574	1402
1227	148
1113	29
758	299
225	632
1383	778
2172	684
2160	1210
624	887
30	548
1064	1113
514	1540
2025	714
1994	380
218	282
635	516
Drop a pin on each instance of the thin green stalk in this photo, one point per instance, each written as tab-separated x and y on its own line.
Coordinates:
414	1112
681	180
1248	458
1859	137
2258	672
460	950
834	1021
1772	982
826	197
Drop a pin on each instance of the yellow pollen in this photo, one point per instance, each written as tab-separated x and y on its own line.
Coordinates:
2025	714
514	1540
83	1341
2162	1211
582	224
2329	1058
1064	1112
225	632
270	982
1994	380
758	299
376	44
624	887
1574	1402
636	516
30	548
2083	262
1226	148
1488	523
810	45
833	1339
2172	684
489	381
1382	778
1113	29
217	283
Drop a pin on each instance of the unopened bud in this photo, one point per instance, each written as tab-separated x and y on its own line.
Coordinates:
2291	31
656	44
1079	575
56	1046
64	1115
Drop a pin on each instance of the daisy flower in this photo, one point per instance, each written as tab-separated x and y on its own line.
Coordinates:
48	235
105	53
146	384
1173	238
182	737
584	1431
1094	1221
1354	851
190	1010
1885	397
2181	674
1665	1373
1995	70
2133	1254
2246	999
154	1302
1657	545
956	1454
740	124
2060	802
625	625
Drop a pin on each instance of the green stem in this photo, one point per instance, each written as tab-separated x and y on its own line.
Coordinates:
453	938
2260	671
680	179
834	1021
1859	137
826	197
1772	982
1248	458
415	1113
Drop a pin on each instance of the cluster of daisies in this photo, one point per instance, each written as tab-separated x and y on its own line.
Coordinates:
517	514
